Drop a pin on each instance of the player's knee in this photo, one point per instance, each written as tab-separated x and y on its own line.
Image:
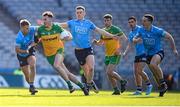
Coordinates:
153	64
136	73
91	69
32	65
56	66
109	73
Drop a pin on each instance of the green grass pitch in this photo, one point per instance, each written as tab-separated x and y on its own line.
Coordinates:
46	97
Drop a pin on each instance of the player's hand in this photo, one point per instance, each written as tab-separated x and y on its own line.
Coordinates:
176	52
137	40
118	52
94	41
67	38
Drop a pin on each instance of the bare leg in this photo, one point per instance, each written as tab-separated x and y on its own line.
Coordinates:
32	63
25	70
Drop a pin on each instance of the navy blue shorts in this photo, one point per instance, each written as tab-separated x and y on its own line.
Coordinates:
160	53
23	60
81	54
140	58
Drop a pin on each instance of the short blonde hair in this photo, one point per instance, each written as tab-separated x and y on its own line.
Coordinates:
108	16
48	13
24	22
80	7
149	17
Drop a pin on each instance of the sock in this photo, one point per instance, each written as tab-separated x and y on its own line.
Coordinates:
122	81
116	89
80	85
31	84
148	83
89	85
69	84
139	88
162	81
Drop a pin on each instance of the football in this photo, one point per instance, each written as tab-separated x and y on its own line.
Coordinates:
65	34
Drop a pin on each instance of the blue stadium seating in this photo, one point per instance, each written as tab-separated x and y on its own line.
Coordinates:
166	14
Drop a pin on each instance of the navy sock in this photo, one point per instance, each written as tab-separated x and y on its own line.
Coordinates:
148	83
139	88
116	89
31	84
162	81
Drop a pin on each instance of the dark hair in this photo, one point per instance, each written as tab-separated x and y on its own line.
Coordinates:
24	22
80	7
149	17
132	17
106	16
48	13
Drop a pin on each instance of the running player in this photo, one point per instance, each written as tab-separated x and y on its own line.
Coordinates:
49	34
26	53
81	29
140	59
151	37
112	53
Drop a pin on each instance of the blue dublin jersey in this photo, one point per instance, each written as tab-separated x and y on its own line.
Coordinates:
81	32
152	39
139	47
24	41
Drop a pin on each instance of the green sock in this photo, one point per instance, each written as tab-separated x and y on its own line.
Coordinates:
122	81
116	89
69	84
80	85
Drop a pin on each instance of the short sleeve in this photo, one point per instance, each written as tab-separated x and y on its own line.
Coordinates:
119	32
92	25
161	32
18	41
69	23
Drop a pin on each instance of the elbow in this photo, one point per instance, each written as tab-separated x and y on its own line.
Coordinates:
16	50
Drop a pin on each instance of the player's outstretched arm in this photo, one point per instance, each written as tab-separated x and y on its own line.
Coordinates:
103	32
98	42
18	50
63	25
127	49
169	37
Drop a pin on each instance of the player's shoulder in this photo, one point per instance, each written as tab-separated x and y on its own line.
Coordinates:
19	36
33	28
116	27
155	28
140	29
137	26
42	27
88	21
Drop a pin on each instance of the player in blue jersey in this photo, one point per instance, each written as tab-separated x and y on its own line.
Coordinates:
151	37
140	59
81	29
25	52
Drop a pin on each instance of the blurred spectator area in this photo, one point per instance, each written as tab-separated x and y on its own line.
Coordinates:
166	14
